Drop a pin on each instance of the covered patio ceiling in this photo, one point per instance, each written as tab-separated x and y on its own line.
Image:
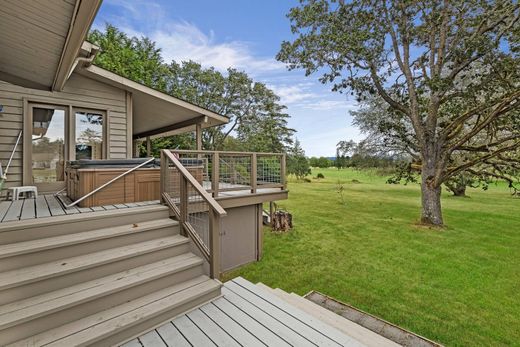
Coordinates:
156	113
40	40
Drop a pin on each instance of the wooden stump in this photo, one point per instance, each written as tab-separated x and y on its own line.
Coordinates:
281	221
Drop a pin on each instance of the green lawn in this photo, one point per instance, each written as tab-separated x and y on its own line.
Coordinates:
459	286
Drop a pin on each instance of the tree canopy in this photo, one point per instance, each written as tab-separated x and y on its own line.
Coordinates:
258	121
450	69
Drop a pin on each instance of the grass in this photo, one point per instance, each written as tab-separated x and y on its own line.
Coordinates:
459	286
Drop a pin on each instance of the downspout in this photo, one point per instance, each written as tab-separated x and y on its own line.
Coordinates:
87	61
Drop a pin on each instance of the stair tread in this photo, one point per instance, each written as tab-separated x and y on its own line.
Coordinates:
86	330
40	305
34	273
65	219
360	333
17	248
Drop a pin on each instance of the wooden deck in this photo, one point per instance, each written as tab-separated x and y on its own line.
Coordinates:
246	315
48	206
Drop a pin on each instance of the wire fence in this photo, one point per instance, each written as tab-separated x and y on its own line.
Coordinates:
235	171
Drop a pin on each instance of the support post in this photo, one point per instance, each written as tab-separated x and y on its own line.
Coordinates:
215	177
283	171
214	244
183	205
164	174
198	136
253	173
135	152
271	212
148	147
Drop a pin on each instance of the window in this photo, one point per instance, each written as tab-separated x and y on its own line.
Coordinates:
48	144
89	133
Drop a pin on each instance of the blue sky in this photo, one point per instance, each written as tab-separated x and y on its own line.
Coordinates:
245	34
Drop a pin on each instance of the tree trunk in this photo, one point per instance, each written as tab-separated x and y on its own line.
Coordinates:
430	190
431	205
459	190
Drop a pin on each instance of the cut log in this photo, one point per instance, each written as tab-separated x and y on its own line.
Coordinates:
281	221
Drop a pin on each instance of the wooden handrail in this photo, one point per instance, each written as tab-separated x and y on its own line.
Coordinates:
212	251
205	195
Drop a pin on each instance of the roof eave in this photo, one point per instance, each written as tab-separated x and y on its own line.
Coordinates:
84	14
129	85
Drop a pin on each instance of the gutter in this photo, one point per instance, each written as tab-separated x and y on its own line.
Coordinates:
84	13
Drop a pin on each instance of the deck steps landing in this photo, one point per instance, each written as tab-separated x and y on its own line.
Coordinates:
75	285
358	332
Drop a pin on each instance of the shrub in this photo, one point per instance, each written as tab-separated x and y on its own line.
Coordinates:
320	175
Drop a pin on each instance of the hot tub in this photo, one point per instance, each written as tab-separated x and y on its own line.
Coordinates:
143	184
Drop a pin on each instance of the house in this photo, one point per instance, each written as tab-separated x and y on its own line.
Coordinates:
117	250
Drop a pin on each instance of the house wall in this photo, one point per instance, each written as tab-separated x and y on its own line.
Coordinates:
79	91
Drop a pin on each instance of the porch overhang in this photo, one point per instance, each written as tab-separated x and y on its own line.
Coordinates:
40	40
156	113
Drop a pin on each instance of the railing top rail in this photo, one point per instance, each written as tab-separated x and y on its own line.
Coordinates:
194	151
196	185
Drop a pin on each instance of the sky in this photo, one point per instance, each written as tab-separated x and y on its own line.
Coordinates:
244	34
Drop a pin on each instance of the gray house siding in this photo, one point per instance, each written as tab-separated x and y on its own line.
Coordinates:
79	91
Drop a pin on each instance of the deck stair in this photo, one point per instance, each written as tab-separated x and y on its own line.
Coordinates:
354	330
96	279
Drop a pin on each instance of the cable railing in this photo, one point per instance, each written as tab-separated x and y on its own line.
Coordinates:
237	171
198	213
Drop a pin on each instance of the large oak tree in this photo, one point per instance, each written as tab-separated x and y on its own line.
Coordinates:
416	56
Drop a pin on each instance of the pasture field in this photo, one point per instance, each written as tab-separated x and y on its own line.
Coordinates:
459	286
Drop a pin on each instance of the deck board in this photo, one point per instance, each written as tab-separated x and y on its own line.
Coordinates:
284	331
4	207
14	211
244	337
247	315
28	209
191	332
48	205
66	200
42	208
171	335
331	333
54	205
151	339
251	325
211	329
132	343
308	332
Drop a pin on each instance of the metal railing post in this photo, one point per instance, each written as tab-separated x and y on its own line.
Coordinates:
254	166
215	179
184	201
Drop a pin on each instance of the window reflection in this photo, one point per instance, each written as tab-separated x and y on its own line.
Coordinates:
89	135
48	145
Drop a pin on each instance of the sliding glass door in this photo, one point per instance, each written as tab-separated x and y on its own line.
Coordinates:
58	134
48	146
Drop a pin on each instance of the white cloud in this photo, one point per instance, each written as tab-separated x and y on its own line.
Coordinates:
184	41
181	40
292	94
326	105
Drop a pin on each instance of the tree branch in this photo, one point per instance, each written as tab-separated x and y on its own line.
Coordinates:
475	161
